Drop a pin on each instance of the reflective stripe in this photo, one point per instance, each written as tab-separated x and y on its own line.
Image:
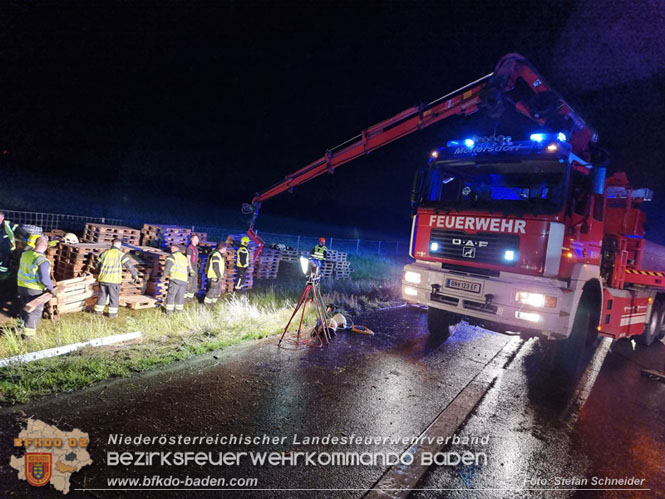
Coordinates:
318	252
99	308
110	266
179	269
209	300
215	257
29	331
9	231
28	270
113	310
179	307
170	306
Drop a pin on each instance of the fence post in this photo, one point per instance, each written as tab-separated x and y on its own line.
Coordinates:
298	244
379	252
358	247
397	248
103	220
331	241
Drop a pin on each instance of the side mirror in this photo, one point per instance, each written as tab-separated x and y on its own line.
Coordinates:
599	175
417	188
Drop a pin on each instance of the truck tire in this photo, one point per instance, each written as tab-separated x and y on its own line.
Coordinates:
567	357
654	328
439	322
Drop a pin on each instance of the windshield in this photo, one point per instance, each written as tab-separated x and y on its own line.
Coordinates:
519	187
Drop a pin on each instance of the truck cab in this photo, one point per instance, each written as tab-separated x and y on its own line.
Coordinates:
506	234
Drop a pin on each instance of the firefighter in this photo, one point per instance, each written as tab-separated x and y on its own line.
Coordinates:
176	269
193	269
215	273
33	280
110	264
242	262
319	253
8	233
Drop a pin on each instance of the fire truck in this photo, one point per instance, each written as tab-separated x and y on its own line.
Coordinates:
525	235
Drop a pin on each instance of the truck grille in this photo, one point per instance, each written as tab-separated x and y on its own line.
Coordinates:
486	247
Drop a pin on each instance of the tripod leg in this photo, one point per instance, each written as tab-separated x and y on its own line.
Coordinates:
302	299
302	316
322	317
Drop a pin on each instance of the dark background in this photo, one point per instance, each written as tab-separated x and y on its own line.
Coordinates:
180	111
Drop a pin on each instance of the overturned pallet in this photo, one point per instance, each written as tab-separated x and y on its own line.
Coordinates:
138	302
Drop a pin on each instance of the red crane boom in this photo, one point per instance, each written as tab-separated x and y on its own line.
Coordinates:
514	82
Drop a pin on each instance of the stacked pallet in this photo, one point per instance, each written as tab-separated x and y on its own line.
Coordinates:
343	270
100	233
150	263
72	295
289	255
268	264
164	236
74	260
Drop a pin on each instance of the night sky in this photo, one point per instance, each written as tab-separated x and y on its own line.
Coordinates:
192	107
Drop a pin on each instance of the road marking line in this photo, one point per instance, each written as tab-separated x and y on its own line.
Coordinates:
399	480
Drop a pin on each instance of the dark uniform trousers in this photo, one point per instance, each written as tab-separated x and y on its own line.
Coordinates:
30	319
192	284
109	294
175	297
213	292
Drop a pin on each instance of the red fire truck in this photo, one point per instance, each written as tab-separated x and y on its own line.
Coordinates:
520	235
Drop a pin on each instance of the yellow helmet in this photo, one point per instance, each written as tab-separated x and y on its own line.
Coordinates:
245	241
32	239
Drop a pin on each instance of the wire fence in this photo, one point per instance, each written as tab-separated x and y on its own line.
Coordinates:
76	223
50	221
300	242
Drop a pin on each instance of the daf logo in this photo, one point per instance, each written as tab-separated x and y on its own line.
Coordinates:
469	243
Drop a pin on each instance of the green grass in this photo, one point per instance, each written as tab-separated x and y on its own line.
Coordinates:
167	339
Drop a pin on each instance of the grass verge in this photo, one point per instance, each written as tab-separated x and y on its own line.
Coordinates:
167	339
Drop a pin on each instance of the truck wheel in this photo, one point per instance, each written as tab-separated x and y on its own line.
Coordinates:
439	321
567	357
654	328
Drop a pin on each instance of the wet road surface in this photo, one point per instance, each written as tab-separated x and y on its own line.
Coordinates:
394	384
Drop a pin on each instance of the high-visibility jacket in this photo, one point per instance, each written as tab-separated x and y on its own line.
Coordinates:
110	265
8	230
242	257
179	267
28	270
319	252
215	257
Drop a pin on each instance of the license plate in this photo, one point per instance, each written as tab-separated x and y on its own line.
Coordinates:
471	287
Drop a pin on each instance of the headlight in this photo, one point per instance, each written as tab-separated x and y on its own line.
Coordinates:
535	299
409	291
413	277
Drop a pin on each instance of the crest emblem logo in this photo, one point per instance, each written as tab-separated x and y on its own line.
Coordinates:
469	252
38	468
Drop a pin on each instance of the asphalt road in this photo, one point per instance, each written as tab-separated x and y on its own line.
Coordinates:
530	426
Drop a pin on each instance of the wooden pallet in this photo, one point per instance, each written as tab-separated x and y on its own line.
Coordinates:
72	295
107	233
138	302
